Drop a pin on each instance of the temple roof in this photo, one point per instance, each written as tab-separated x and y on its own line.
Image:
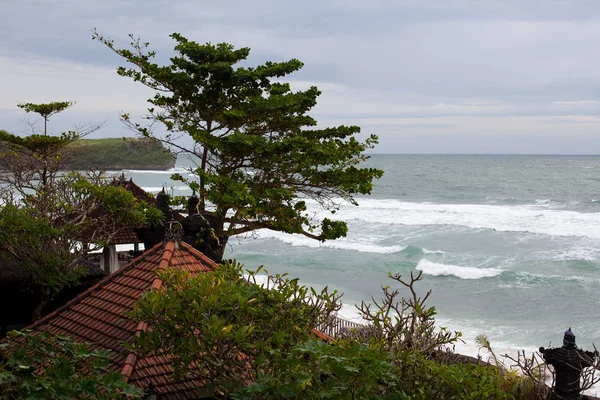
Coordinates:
129	234
126	234
137	191
99	316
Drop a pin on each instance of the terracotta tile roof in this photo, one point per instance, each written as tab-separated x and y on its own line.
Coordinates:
98	316
126	235
137	191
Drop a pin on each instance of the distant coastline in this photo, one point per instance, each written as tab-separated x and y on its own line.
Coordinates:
117	154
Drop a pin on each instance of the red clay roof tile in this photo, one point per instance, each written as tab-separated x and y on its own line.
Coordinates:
99	316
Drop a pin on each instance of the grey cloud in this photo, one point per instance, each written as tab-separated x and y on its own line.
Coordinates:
378	60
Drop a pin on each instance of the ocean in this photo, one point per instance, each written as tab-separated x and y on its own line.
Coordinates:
509	245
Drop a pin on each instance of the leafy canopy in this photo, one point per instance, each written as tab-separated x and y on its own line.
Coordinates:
47	366
49	220
261	159
46	110
224	330
245	341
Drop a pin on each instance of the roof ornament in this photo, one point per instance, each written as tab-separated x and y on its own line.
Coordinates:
173	232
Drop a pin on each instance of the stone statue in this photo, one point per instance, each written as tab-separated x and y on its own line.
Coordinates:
199	231
197	228
568	362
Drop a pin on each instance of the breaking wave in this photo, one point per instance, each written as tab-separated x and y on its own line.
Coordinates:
363	246
438	269
533	218
152	171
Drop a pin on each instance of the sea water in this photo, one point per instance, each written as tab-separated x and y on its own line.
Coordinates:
509	245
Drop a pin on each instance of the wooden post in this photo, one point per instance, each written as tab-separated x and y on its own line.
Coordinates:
106	259
110	259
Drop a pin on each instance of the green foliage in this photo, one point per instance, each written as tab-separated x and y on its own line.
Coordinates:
112	153
40	146
69	152
220	327
46	110
50	231
260	154
315	369
458	381
31	162
46	366
49	220
404	324
252	342
526	382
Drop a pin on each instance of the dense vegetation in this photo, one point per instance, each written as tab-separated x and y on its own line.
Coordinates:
115	154
112	154
46	366
50	221
252	342
256	342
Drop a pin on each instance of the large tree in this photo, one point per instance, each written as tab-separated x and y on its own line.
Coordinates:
260	156
49	220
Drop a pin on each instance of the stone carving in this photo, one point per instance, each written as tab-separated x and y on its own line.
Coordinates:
568	362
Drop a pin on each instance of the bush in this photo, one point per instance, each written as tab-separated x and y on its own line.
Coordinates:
47	366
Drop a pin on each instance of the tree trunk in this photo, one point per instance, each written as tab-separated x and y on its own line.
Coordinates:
221	251
42	300
202	193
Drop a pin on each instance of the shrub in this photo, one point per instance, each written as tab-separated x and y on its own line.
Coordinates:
47	366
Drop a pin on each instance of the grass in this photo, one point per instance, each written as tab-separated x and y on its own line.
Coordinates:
118	153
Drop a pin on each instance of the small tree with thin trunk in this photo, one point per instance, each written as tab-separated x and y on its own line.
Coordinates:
46	110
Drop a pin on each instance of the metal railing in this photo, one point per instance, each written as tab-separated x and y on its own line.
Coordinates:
337	326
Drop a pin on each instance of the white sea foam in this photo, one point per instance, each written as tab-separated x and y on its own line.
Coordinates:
437	269
467	345
350	312
364	246
156	189
152	171
426	251
534	218
496	334
577	253
542	201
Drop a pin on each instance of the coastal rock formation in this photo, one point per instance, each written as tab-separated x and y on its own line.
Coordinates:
117	154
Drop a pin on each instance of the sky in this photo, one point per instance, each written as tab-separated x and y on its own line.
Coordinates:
426	76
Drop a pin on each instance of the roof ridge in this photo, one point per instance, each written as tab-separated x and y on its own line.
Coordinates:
105	281
112	298
197	253
132	358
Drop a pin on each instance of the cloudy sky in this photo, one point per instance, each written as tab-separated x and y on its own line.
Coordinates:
426	76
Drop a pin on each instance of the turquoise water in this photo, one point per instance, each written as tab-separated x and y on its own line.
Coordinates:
509	245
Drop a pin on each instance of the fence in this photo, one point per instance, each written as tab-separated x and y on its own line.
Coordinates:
336	326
